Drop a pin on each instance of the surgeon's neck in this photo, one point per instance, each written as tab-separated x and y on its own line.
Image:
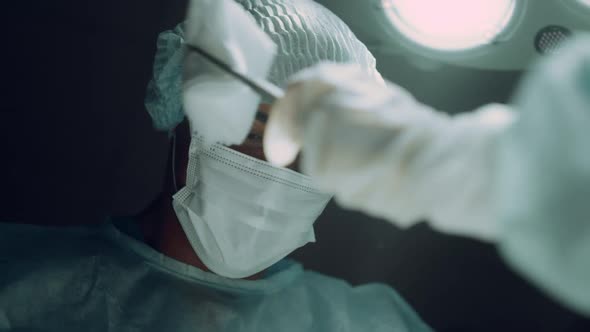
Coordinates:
164	233
172	241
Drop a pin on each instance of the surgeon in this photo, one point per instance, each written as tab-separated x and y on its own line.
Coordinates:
208	254
515	175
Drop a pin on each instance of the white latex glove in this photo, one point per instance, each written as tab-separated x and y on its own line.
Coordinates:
220	108
380	151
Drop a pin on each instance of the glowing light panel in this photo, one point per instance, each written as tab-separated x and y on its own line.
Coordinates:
451	24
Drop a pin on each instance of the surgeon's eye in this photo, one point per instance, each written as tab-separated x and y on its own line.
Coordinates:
254	137
262	117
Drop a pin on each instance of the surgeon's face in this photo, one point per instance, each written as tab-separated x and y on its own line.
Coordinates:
252	146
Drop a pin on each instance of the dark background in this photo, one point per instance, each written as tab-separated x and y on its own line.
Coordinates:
77	145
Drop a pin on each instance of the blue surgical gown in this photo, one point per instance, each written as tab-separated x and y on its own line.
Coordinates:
103	279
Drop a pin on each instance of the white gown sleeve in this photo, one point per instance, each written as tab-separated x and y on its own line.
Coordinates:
382	152
522	180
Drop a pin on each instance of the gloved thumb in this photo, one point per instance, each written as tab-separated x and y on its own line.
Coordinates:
284	130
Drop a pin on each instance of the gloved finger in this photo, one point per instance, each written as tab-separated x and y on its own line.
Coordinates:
308	92
286	123
281	141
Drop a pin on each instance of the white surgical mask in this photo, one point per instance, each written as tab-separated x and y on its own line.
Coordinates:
242	215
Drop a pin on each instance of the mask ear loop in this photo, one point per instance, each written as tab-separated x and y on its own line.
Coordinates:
174	161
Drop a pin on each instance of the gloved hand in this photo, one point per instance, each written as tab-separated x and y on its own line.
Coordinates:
380	151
